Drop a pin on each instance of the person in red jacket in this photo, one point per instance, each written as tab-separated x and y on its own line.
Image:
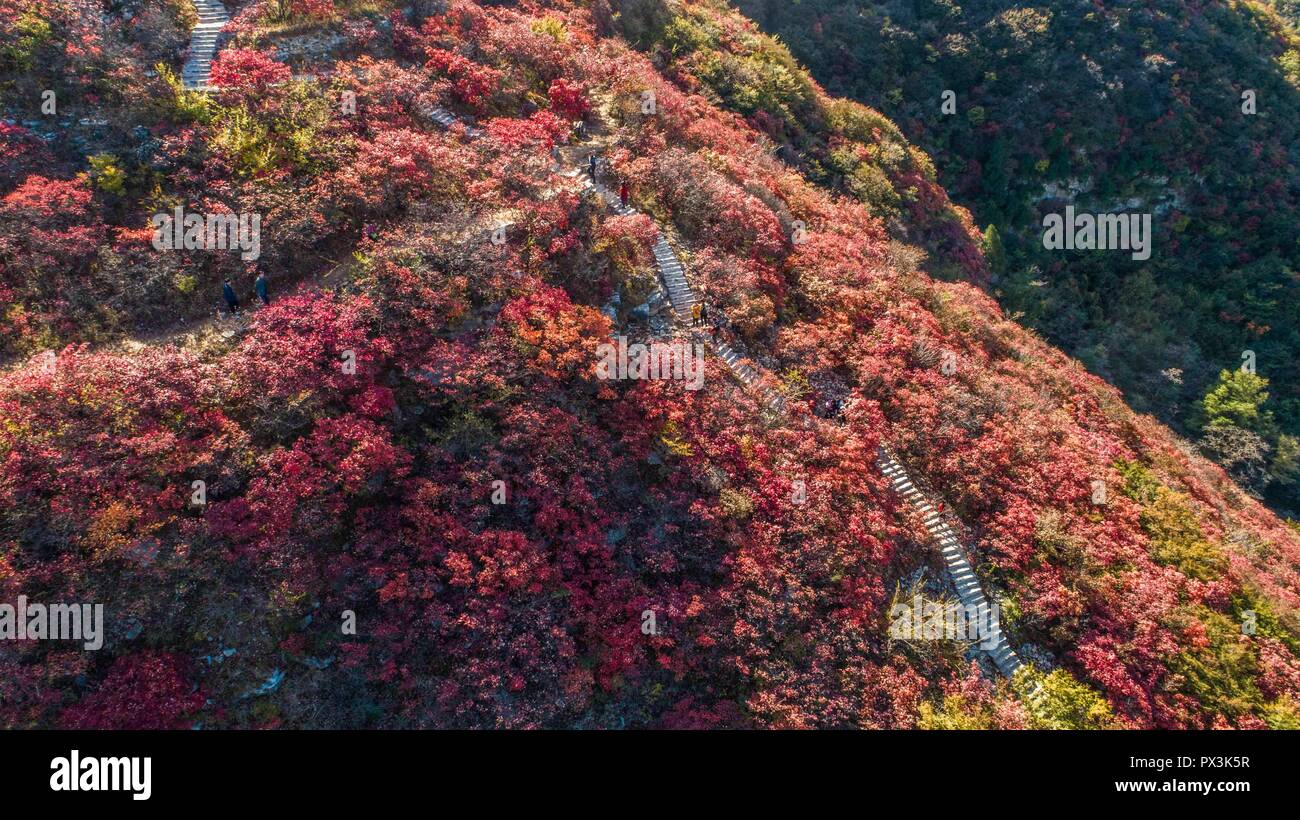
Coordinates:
622	193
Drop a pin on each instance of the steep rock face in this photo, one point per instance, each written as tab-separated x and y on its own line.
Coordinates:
418	504
1186	111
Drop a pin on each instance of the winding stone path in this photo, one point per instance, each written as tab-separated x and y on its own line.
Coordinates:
682	298
197	73
960	571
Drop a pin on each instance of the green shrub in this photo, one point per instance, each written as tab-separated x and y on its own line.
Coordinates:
1061	701
686	34
954	713
186	106
1177	540
1167	518
30	32
1282	713
245	140
735	504
870	185
552	27
1219	671
106	173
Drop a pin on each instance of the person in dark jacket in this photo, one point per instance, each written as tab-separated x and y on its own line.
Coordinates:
591	166
259	284
229	293
721	325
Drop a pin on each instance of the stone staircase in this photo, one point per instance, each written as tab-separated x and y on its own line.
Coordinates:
672	275
682	298
955	560
446	119
969	591
197	73
749	377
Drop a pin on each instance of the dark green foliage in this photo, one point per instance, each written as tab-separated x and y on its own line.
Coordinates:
1131	106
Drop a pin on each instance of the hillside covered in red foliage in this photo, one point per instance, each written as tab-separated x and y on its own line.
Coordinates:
400	496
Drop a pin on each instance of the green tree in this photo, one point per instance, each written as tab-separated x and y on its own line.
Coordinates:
1237	399
994	253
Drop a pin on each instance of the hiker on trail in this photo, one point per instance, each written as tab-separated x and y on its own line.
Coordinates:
724	325
591	166
259	285
696	313
622	193
704	314
229	294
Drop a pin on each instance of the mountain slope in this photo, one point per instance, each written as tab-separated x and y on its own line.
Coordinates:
1138	108
652	555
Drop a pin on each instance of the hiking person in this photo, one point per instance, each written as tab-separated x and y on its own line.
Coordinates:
704	314
724	325
259	285
591	166
622	193
696	312
228	293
